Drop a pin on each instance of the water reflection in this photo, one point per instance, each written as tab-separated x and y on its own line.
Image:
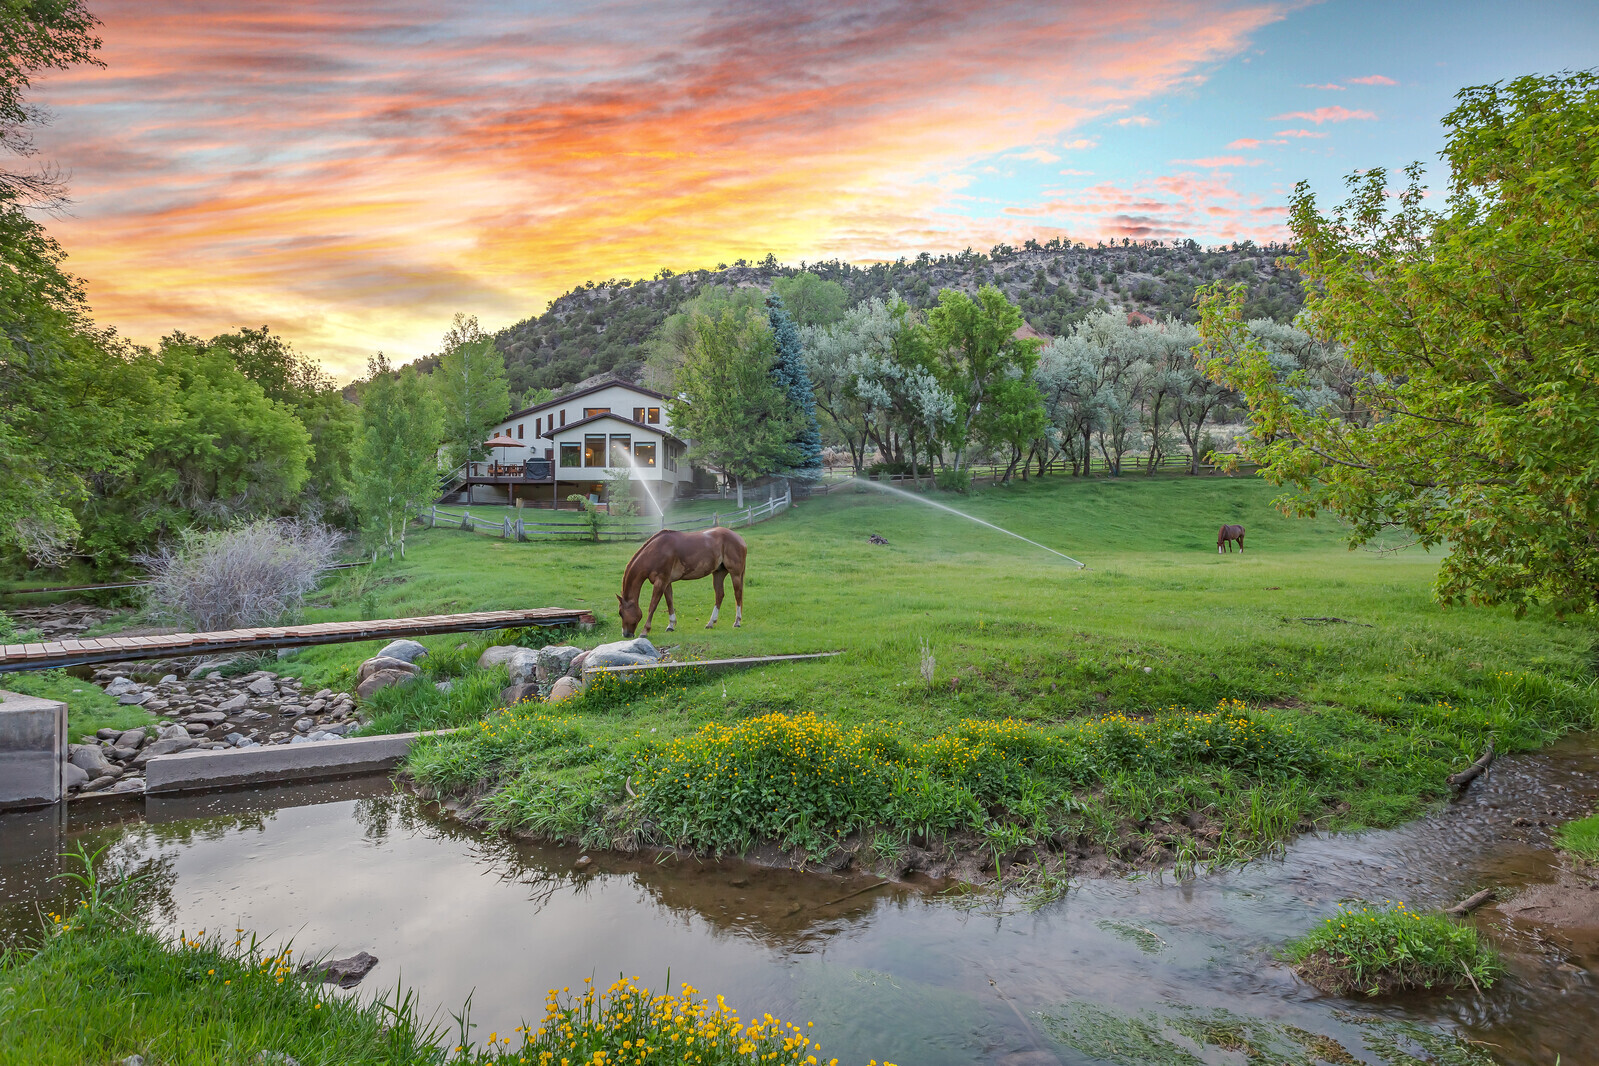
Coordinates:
897	971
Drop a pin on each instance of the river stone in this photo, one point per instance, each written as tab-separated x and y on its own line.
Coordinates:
121	754
379	662
523	665
621	653
555	659
89	758
77	777
107	734
518	693
303	725
383	679
346	972
196	728
409	650
237	703
172	731
164	746
133	699
263	686
120	685
131	738
100	783
129	784
496	655
564	689
575	667
208	717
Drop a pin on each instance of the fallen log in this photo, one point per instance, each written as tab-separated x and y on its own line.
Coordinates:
1470	903
1471	773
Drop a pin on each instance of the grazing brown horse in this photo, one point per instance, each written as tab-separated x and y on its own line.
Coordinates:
671	556
1229	533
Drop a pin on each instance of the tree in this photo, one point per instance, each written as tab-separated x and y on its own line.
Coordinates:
1477	420
36	35
974	341
1012	418
471	389
396	464
730	407
811	300
793	378
668	347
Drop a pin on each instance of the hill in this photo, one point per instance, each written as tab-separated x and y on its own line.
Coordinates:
598	327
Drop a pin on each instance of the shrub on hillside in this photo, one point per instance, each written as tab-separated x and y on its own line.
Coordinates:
250	575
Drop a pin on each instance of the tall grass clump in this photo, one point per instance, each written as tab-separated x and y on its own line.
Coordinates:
1384	950
419	704
251	575
1580	838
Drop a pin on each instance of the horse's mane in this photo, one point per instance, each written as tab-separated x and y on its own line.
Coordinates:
627	571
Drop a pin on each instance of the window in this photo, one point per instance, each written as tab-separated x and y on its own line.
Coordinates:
655	416
563	418
594	449
520	426
621	446
538	427
571	453
644	455
590	412
638	414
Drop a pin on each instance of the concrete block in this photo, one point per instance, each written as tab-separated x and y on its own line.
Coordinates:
33	751
275	763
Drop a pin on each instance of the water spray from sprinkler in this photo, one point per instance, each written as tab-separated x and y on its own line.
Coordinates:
971	518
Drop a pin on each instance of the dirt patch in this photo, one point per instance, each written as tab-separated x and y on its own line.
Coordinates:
1569	905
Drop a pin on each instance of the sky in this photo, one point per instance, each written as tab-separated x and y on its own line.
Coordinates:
351	173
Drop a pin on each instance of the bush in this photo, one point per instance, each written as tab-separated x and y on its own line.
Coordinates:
251	575
1380	951
951	480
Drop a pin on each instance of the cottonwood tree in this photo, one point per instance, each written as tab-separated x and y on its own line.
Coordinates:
728	404
396	458
974	347
668	347
810	299
471	388
1474	326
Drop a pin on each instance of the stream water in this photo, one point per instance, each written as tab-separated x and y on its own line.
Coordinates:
911	973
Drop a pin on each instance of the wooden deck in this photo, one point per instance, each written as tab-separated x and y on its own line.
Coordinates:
117	649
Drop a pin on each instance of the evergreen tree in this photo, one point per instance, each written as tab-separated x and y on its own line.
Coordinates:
794	379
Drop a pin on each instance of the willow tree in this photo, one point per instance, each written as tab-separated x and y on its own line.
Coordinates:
1476	422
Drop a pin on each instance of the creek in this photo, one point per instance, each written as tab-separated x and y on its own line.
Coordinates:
914	973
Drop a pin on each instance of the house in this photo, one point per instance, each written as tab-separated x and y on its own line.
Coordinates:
570	444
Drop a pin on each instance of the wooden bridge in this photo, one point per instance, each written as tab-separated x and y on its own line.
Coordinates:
174	645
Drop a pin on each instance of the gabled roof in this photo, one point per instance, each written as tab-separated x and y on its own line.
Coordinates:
549	434
560	400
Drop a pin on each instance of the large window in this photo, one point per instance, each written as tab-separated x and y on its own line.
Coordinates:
644	455
655	416
594	449
621	447
571	453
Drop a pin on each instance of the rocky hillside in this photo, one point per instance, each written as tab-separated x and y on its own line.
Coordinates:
598	327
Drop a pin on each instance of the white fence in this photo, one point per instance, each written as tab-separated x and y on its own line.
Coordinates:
610	529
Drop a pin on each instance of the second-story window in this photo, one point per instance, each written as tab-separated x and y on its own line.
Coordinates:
655	416
520	426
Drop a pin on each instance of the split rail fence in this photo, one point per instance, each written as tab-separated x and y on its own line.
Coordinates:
525	529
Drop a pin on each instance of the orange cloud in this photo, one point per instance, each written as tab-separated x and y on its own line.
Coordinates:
1168	207
1298	133
1372	79
352	173
1221	161
1332	85
1326	114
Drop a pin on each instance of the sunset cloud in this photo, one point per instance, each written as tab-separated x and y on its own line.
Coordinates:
1334	86
1168	207
1298	133
1220	161
1326	114
353	172
1136	120
1372	79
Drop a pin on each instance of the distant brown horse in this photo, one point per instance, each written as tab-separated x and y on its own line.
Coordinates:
671	556
1229	533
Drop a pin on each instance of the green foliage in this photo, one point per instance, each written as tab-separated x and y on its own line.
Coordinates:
1383	950
949	479
1477	424
396	465
88	707
669	346
471	388
591	516
975	348
419	705
793	379
39	35
811	300
1580	838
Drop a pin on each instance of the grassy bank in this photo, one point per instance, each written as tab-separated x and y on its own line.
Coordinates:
101	984
1383	950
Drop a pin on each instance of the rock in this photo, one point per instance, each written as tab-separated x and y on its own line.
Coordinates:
408	650
107	734
555	659
156	705
132	738
496	655
442	686
77	777
518	693
235	739
100	783
164	746
347	973
564	689
320	734
278	738
173	731
583	862
340	729
317	705
523	666
262	686
299	740
120	685
875	539
90	758
621	653
133	1060
575	667
323	693
168	679
373	665
383	679
121	754
273	1058
133	699
196	728
129	784
208	717
237	703
304	725
214	675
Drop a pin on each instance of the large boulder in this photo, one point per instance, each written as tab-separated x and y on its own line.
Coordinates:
408	650
379	662
132	738
164	746
633	652
383	679
90	758
555	660
523	665
263	686
518	693
564	689
500	653
77	777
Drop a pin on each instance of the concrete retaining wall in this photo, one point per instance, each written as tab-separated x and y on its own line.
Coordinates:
33	751
276	763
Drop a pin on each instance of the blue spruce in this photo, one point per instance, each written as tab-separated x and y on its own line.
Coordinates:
794	379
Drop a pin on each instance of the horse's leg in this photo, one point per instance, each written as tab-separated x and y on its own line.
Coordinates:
716	580
655	599
738	599
671	612
1240	543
